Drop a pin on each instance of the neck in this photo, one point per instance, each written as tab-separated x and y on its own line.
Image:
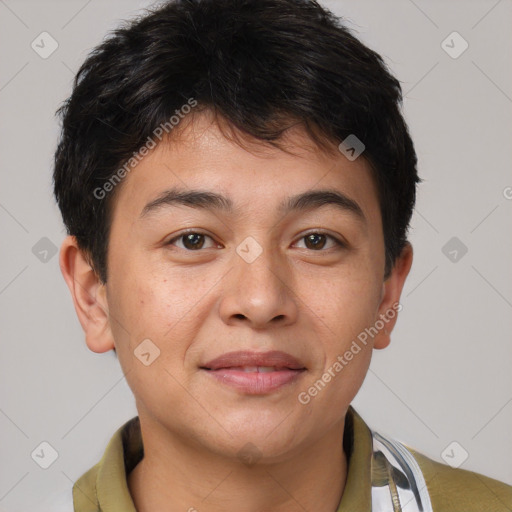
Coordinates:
174	475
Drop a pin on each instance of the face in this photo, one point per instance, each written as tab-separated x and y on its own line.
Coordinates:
201	280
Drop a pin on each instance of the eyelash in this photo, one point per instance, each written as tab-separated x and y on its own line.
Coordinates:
339	243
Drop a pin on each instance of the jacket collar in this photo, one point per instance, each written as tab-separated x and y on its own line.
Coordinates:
105	484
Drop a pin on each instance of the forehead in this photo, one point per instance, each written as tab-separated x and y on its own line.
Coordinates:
253	176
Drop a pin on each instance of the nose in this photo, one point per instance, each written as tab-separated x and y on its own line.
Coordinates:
259	290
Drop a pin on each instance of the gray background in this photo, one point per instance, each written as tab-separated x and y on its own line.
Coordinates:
447	374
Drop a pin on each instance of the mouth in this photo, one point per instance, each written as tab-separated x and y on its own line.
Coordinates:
255	373
253	369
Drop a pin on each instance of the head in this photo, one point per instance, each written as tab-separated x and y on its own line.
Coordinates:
250	100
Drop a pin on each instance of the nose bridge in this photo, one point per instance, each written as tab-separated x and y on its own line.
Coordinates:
259	287
259	268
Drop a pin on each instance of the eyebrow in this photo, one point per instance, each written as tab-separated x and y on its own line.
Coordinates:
213	201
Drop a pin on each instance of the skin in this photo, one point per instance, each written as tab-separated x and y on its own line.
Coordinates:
198	304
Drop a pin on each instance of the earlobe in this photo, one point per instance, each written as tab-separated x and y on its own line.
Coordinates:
390	297
88	295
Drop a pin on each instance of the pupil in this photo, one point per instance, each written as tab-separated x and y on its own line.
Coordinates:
193	239
314	238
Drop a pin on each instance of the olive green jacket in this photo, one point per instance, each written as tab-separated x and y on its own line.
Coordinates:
104	487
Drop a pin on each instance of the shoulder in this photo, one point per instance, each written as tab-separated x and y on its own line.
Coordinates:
458	489
84	490
435	487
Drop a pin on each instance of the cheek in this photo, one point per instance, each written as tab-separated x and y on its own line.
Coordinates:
152	322
342	332
141	296
148	312
346	305
155	304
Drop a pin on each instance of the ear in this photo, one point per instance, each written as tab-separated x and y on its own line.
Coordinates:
89	296
391	292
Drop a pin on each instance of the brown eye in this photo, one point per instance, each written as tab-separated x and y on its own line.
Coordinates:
191	241
316	241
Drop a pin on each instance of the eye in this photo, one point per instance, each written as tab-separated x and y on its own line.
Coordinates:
192	240
195	240
316	240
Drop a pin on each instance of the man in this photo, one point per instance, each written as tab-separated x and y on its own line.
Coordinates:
237	182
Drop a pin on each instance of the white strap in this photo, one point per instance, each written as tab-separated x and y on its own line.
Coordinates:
405	490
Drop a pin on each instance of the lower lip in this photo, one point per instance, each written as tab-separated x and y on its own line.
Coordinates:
255	383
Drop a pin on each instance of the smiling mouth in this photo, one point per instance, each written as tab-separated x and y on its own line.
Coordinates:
254	369
255	380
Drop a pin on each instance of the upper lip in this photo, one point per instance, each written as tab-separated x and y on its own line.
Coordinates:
274	358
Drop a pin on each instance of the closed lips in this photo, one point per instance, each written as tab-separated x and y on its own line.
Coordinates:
259	369
255	373
261	362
